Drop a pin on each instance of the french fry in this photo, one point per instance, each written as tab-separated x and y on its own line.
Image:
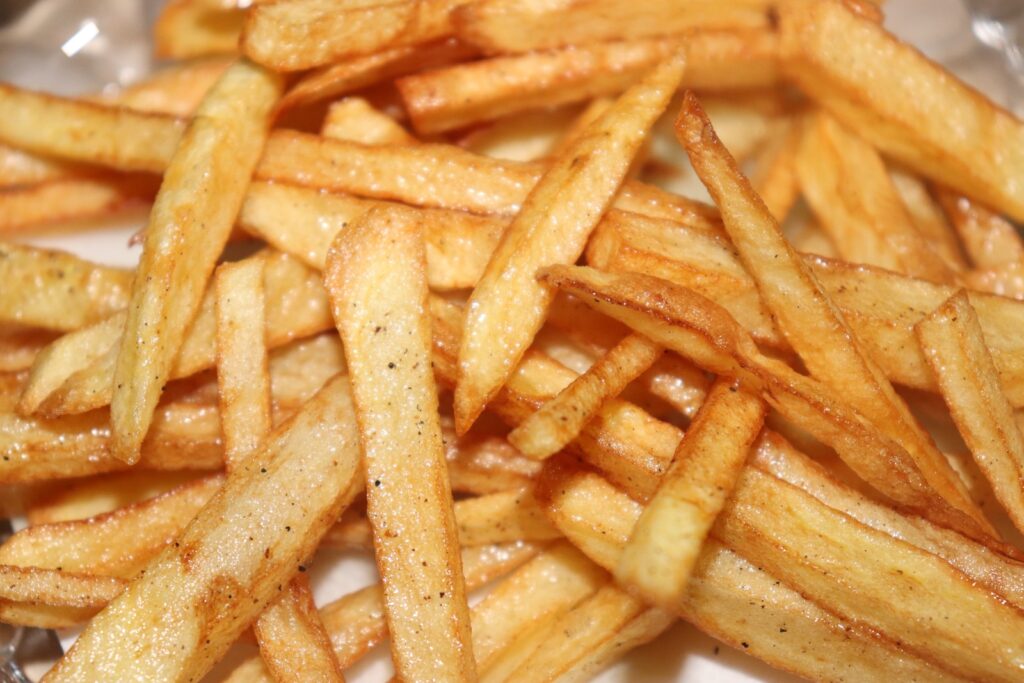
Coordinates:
733	599
833	55
214	580
188	28
101	494
481	464
191	219
456	96
71	199
300	34
989	239
593	635
243	376
355	119
774	177
293	641
47	598
695	327
19	168
501	26
20	346
175	90
928	216
552	227
560	421
667	539
356	73
1006	280
865	218
377	282
815	328
954	345
57	291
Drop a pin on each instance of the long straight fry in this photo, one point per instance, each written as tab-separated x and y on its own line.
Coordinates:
508	305
816	328
192	217
377	283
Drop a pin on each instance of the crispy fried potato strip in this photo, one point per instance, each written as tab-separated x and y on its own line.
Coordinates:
377	282
355	119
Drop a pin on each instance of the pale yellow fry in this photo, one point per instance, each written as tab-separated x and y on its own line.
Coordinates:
187	28
192	217
120	138
293	641
56	290
355	119
560	420
243	376
499	26
815	327
860	72
953	343
456	96
667	540
989	239
593	635
848	186
376	278
508	305
197	597
301	34
928	216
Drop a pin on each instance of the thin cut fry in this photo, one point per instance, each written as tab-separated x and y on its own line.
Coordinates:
815	328
848	186
560	420
954	345
860	72
243	377
193	214
508	305
201	593
666	541
300	34
498	26
376	279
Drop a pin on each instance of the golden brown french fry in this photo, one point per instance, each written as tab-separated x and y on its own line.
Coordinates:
848	186
501	26
817	330
48	598
455	96
1006	280
858	71
293	641
552	227
734	600
989	239
695	327
928	216
71	199
560	420
56	290
100	494
300	34
190	28
592	635
355	119
667	539
954	345
481	463
192	216
243	376
202	592
774	175
117	543
356	73
377	283
22	168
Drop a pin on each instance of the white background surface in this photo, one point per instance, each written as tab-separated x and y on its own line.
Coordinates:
32	57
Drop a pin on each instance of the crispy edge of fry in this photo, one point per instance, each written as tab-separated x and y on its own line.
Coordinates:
560	420
243	375
552	227
376	279
954	345
816	328
667	539
293	642
193	214
213	581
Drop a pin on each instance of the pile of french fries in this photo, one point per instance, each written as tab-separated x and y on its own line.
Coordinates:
477	324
